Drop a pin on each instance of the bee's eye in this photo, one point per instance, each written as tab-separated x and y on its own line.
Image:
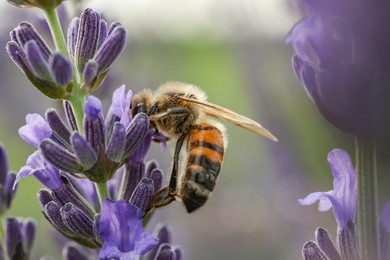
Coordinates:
140	108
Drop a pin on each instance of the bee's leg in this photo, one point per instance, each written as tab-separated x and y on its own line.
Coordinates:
167	194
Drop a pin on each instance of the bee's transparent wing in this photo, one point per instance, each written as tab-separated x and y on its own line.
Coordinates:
232	117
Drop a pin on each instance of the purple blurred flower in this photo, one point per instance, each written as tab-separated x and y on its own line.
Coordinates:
19	238
7	182
343	196
343	60
121	229
164	249
343	200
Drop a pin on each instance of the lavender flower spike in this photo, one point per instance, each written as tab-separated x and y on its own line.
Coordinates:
103	147
343	196
50	74
92	51
122	232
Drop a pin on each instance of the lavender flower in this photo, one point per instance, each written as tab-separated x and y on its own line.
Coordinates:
121	229
342	60
73	251
97	154
51	73
343	196
164	249
7	180
93	47
19	238
343	200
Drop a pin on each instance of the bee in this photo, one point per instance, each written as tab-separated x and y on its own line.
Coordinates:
180	112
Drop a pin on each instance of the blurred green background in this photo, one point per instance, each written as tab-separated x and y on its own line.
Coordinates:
235	51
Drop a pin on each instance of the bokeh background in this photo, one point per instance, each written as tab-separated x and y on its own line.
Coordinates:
235	51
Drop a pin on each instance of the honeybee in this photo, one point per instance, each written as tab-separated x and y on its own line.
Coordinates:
180	112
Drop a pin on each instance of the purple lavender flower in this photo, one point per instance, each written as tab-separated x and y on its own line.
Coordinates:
343	196
104	147
164	249
323	248
43	4
73	251
343	200
7	180
342	59
94	47
51	73
121	229
19	238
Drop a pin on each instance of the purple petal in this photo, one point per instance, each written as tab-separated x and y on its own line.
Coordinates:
344	185
93	107
48	179
35	130
317	196
343	196
34	162
120	105
94	123
121	230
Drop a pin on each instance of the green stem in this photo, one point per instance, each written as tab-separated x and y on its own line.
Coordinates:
102	191
77	96
56	31
367	205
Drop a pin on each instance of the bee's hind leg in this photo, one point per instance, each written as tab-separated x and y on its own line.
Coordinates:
168	193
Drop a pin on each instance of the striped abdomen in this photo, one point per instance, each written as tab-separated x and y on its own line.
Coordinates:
205	148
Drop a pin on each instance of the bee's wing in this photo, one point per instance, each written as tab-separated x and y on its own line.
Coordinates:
232	117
